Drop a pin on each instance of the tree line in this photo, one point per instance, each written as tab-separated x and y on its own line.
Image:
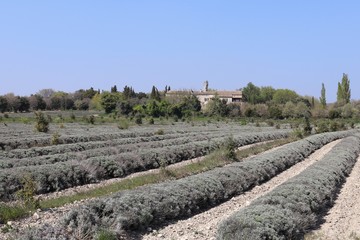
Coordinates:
265	102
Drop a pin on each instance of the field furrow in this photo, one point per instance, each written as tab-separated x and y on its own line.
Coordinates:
294	207
342	221
156	204
204	225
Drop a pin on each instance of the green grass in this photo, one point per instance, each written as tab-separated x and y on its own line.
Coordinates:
12	212
211	161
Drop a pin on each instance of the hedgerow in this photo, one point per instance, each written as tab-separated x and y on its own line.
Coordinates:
61	175
292	208
154	204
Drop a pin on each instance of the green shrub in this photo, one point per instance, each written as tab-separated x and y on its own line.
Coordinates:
91	119
322	127
270	123
229	147
138	119
151	121
72	116
42	124
123	124
159	132
55	139
27	193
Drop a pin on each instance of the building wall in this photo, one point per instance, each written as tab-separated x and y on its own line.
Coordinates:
204	99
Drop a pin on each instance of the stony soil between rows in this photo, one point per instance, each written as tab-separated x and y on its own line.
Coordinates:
204	225
51	216
343	219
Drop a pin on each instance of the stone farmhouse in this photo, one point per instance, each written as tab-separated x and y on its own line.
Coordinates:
205	95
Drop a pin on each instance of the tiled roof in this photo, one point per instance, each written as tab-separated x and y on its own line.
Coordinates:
199	93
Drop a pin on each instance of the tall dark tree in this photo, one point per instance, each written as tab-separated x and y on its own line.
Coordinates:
128	92
323	96
114	89
3	104
24	104
345	83
155	94
344	92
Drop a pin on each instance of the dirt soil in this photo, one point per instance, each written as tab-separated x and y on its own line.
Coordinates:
204	225
343	219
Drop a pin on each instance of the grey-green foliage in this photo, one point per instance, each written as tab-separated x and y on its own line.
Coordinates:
344	92
323	96
154	204
64	174
293	207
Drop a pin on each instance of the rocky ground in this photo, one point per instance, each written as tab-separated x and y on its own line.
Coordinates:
343	219
203	225
341	222
51	216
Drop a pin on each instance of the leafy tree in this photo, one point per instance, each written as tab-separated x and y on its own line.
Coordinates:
82	104
46	93
90	93
339	95
24	104
289	110
344	92
216	107
234	110
191	103
302	110
251	93
128	92
124	107
347	111
283	96
109	101
3	104
95	102
37	102
13	102
262	110
346	88
275	112
267	94
323	96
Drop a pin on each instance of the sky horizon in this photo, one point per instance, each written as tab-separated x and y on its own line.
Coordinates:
72	45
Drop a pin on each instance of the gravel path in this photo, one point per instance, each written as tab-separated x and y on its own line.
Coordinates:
87	187
203	225
343	219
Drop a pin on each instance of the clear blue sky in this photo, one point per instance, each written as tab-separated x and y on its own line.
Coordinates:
67	45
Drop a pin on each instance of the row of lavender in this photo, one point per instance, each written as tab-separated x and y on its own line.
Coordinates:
296	206
111	151
17	136
70	172
157	203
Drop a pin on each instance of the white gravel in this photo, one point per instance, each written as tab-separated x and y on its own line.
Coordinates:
204	225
